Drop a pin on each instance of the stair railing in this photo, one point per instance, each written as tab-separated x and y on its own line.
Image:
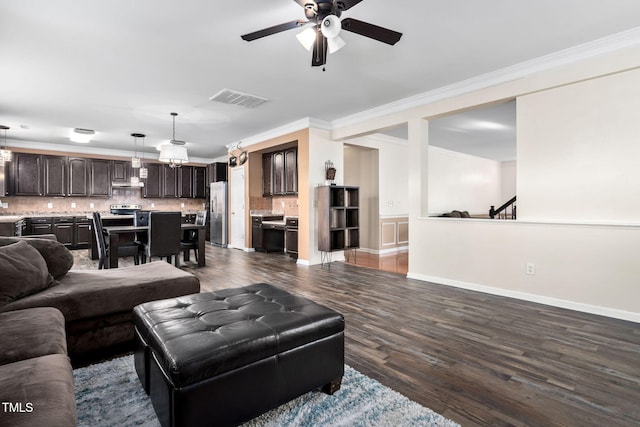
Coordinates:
501	212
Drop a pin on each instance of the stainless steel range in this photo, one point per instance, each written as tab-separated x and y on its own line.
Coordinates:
126	209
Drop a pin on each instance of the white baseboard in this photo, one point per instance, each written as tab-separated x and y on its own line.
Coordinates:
541	299
384	251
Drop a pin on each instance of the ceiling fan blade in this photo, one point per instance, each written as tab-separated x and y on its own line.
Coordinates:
346	4
273	30
375	32
319	50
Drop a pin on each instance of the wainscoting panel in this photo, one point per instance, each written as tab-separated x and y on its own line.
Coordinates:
394	234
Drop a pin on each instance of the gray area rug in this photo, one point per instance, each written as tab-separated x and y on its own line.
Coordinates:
110	394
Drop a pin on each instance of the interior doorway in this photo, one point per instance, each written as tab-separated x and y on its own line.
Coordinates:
237	208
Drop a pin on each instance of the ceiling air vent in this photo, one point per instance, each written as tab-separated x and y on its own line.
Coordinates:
228	96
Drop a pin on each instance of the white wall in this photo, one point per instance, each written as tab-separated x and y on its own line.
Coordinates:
578	178
508	172
584	266
393	172
361	170
321	149
579	152
462	182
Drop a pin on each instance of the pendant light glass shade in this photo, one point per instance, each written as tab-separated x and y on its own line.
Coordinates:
174	153
5	153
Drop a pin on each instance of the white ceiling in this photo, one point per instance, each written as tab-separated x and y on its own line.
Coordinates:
122	66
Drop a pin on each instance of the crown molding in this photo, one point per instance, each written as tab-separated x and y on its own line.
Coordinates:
603	46
305	123
88	149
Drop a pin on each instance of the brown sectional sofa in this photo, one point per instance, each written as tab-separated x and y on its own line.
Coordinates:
49	313
35	372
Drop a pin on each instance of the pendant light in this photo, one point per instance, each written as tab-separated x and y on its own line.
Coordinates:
135	162
143	169
5	153
174	153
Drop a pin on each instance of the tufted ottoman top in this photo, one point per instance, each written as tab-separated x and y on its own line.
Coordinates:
202	335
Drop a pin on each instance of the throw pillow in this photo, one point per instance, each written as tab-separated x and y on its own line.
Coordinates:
23	272
59	259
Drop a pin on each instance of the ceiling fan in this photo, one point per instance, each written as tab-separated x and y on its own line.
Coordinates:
324	35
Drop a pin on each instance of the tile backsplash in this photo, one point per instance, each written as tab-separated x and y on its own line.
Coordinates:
21	205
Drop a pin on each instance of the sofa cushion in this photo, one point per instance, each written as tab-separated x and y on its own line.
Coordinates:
31	333
83	294
59	259
23	272
43	388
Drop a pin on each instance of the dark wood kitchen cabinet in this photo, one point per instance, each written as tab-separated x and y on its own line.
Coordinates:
152	184
121	171
169	181
192	182
267	174
27	174
78	173
291	171
55	176
82	232
40	225
63	228
185	182
200	182
280	172
99	178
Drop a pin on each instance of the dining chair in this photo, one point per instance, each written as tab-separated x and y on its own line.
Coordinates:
124	250
163	237
191	239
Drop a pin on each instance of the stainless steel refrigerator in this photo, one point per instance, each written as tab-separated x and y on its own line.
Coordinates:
218	213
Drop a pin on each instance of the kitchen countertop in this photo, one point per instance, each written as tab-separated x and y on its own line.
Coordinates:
89	215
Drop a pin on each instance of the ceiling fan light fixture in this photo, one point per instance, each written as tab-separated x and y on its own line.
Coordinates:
307	38
335	44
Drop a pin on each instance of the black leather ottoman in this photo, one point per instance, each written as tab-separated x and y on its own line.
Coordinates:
224	357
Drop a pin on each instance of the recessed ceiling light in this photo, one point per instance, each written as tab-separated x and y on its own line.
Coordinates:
81	136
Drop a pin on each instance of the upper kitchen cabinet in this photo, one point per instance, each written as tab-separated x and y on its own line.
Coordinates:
27	174
217	172
78	177
291	171
99	178
121	171
169	181
200	182
280	172
152	184
55	176
192	182
185	181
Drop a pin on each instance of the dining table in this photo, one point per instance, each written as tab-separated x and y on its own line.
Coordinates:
113	233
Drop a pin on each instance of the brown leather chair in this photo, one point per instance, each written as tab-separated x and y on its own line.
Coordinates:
163	237
126	249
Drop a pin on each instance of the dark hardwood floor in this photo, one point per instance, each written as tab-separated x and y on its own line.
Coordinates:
475	358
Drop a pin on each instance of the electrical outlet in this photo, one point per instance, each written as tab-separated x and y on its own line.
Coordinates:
531	268
50	205
153	205
5	205
92	205
182	205
73	205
